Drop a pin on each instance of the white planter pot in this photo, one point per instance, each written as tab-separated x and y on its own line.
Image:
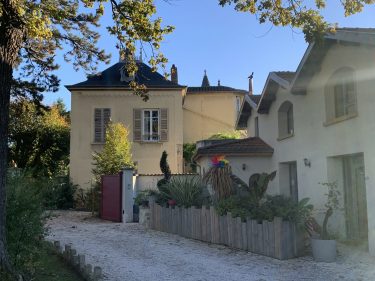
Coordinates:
324	250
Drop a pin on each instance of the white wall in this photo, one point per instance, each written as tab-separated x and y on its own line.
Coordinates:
317	142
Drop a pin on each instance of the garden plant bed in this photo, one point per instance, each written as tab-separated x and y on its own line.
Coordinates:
278	239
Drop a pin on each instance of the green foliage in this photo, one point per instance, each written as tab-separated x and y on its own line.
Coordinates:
39	138
189	150
258	184
331	205
305	15
25	220
185	191
57	193
164	167
219	178
116	153
228	135
271	207
142	198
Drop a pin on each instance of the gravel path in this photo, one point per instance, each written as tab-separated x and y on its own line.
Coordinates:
128	252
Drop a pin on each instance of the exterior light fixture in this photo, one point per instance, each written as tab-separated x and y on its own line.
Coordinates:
307	162
243	166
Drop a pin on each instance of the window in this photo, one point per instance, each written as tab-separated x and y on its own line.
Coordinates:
256	127
101	118
238	104
150	125
286	122
341	95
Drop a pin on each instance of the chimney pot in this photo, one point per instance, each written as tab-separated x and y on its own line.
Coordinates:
251	84
174	74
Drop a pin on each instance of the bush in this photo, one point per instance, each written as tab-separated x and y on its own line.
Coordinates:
25	220
142	198
271	207
184	191
58	192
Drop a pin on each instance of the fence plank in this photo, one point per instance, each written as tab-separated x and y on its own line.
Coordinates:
238	233
204	223
223	230
265	237
249	232
244	236
276	239
278	234
271	238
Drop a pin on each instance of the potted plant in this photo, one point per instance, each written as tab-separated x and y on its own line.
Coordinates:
323	244
142	200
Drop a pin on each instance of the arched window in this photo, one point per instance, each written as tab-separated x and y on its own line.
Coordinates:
341	95
286	122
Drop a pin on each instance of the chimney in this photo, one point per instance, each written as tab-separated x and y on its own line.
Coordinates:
251	84
174	74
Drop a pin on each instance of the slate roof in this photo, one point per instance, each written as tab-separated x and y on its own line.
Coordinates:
255	98
253	146
286	75
110	78
192	90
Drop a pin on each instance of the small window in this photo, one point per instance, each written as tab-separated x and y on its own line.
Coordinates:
256	127
238	104
286	122
102	116
340	94
150	125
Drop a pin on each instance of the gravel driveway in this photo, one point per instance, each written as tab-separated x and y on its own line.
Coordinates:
130	252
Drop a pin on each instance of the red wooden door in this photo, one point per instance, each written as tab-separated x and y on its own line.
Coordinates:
111	203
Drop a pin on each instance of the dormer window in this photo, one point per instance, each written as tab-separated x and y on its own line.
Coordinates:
286	120
341	96
124	75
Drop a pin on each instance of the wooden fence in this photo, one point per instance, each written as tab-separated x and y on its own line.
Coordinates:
278	239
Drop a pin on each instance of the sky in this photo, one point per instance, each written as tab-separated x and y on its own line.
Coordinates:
230	45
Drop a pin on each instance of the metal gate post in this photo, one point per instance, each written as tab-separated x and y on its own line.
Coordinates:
127	195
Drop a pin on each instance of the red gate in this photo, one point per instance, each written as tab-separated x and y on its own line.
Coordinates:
111	203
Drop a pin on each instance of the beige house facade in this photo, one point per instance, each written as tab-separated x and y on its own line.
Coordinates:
209	110
320	121
154	126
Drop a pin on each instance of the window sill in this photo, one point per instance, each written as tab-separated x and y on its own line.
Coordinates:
98	143
285	137
339	119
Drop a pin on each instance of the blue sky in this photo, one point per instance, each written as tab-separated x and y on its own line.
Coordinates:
228	44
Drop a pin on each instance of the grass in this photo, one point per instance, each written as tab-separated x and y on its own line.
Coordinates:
53	268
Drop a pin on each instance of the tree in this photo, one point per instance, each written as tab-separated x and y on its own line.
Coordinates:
39	138
31	33
228	135
116	153
302	14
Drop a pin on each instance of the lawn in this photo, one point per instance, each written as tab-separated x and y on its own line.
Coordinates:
53	268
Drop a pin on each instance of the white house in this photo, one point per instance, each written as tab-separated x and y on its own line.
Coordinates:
320	122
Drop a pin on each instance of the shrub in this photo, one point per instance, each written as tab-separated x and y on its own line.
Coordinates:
271	207
142	198
25	220
164	167
116	153
57	193
186	192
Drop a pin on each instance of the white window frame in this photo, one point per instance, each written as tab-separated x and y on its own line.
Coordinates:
238	104
148	137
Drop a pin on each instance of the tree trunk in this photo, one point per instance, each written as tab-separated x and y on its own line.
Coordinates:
11	36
